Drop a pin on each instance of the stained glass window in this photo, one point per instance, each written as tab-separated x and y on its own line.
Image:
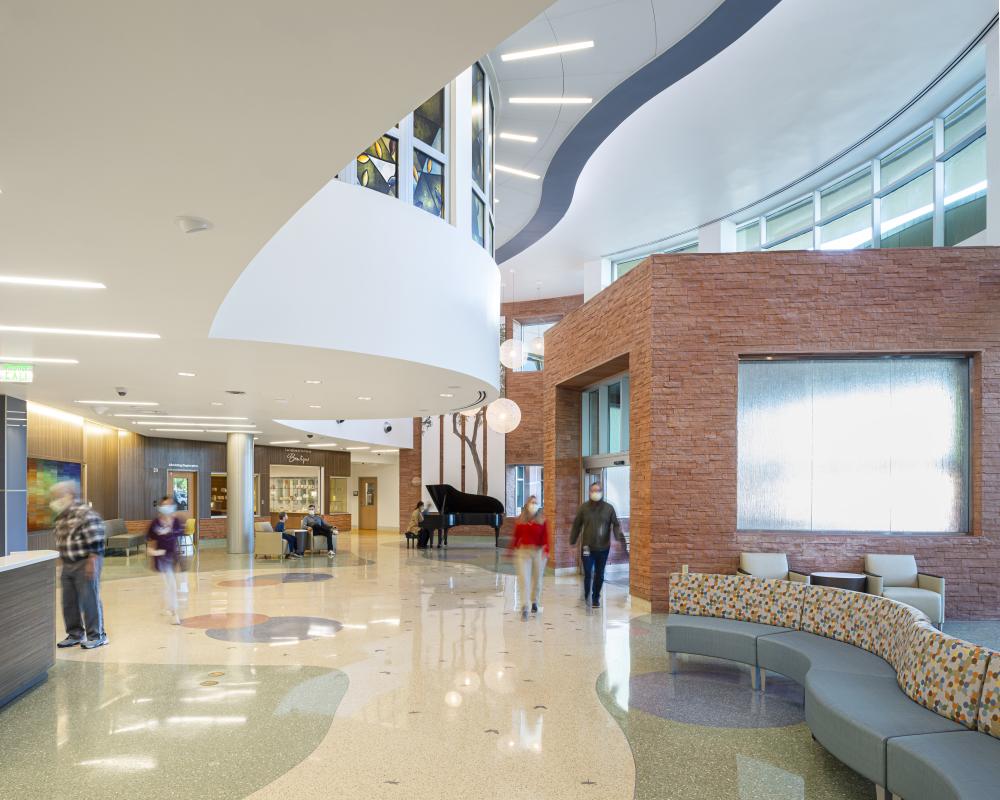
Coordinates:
490	144
478	219
478	126
428	183
378	166
428	122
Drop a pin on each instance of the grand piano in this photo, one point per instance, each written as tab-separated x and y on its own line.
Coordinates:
461	508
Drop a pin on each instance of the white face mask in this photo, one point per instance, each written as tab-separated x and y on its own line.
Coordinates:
532	508
60	504
596	496
166	510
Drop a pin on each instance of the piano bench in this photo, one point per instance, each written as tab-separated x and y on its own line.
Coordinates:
410	539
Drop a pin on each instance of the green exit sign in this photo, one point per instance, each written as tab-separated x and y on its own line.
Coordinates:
16	373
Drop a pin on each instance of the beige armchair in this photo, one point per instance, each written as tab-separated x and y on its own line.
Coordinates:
896	577
267	542
769	565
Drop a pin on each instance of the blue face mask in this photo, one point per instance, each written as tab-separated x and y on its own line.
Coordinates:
166	510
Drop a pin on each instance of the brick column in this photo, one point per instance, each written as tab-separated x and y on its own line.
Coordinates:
410	468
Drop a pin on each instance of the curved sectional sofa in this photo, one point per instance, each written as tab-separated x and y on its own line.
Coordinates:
907	706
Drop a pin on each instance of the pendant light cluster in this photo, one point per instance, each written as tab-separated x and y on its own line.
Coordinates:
503	415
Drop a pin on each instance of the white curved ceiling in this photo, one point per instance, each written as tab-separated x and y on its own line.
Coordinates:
807	81
118	117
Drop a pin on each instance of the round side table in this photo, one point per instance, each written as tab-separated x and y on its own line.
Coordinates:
854	581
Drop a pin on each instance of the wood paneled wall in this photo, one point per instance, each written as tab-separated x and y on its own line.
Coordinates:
334	464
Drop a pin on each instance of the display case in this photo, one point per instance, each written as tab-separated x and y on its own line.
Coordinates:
294	494
339	502
218	495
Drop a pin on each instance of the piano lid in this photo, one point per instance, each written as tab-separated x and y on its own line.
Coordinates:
447	497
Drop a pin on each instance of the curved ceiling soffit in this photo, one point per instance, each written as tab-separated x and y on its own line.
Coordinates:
721	28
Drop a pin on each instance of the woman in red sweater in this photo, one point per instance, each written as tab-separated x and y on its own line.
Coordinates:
531	551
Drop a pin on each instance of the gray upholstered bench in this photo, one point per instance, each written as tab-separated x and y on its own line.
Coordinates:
945	766
118	537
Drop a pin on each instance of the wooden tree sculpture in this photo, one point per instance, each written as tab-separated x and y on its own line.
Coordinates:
472	443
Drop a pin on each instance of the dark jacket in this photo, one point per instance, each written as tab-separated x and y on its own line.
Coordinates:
594	525
164	537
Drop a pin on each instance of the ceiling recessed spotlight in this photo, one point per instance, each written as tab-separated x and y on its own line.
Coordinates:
214	403
514	171
313	382
114	403
286	441
518	137
551	101
186	374
38	360
193	224
363	397
53	283
77	332
446	394
315	406
356	448
280	399
553	50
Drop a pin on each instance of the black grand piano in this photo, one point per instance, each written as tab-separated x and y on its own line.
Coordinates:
460	508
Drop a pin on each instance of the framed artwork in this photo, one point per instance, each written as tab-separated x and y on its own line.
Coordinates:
43	473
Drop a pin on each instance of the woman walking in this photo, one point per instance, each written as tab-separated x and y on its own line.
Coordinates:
531	551
162	545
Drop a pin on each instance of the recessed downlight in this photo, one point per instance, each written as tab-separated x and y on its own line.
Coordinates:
315	406
551	101
313	382
357	448
363	397
446	394
556	49
286	441
50	283
523	173
78	332
115	403
518	137
186	374
280	399
216	404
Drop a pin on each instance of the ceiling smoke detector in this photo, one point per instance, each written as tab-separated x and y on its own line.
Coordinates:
193	224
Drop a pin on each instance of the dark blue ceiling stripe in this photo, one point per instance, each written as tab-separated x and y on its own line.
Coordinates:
720	29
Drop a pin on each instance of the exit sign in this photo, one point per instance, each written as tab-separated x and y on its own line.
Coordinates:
16	373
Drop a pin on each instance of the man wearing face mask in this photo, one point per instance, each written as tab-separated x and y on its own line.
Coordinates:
79	536
595	522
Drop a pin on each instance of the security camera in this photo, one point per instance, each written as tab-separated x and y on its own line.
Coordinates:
340	422
309	436
122	391
386	427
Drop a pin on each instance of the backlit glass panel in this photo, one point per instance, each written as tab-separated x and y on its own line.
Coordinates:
478	125
378	166
428	183
428	121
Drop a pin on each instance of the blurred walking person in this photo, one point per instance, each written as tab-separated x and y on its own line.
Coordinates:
593	527
161	539
531	551
79	536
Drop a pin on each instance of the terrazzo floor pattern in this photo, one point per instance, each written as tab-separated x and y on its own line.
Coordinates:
396	673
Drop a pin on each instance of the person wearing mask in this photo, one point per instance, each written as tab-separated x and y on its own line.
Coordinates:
162	544
293	551
320	528
79	536
416	518
593	527
531	550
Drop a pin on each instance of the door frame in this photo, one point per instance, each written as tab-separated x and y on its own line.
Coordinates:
192	494
361	497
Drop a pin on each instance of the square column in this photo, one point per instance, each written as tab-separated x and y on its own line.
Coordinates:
717	237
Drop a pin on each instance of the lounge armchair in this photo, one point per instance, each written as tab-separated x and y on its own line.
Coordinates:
267	542
896	577
769	565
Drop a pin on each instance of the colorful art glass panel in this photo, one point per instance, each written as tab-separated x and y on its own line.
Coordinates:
428	122
478	128
428	183
378	166
478	220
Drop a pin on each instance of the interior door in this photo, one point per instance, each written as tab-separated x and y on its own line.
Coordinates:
183	486
368	503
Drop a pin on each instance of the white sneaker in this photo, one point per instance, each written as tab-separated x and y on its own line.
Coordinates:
332	554
176	620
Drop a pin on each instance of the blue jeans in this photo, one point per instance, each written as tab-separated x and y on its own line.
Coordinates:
290	538
81	600
593	573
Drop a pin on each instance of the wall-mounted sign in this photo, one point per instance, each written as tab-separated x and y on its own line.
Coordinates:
192	467
298	456
16	373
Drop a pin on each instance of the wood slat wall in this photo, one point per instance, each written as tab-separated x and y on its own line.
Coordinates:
27	626
335	465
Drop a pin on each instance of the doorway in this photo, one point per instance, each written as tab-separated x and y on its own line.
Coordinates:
368	503
182	485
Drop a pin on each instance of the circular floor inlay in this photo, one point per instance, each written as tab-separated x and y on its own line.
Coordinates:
209	683
224	620
718	699
279	629
253	580
305	577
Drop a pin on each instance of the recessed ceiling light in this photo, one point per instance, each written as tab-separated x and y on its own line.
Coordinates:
363	397
280	400
323	444
216	404
114	403
175	416
39	360
549	101
446	394
513	171
356	448
77	332
216	424
233	431
517	55
518	137
286	441
54	283
180	430
313	382
315	406
186	374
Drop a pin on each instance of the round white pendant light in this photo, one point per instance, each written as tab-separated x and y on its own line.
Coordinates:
536	346
503	415
512	354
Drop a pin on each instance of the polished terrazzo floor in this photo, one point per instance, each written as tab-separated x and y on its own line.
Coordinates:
395	673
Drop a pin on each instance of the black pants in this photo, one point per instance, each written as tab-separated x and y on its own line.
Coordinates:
81	600
331	537
593	573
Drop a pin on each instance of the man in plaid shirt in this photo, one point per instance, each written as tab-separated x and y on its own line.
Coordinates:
79	535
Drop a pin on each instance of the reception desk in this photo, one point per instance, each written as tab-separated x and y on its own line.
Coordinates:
27	620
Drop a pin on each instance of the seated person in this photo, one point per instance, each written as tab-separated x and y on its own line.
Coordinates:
288	537
321	528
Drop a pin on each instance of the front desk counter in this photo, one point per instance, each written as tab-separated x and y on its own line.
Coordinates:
27	620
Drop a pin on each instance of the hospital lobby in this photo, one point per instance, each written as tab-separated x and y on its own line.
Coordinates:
371	426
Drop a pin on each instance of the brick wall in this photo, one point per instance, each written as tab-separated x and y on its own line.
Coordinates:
684	320
409	468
